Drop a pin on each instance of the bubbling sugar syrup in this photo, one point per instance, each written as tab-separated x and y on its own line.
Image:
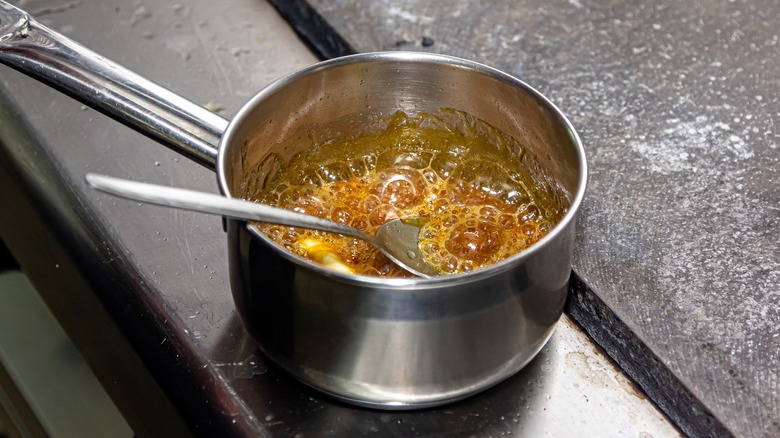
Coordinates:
474	183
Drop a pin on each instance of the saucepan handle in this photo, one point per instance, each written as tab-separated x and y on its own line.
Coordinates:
44	54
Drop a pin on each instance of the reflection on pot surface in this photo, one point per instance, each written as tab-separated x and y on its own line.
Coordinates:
481	202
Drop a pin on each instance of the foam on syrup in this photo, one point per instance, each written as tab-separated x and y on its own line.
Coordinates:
484	205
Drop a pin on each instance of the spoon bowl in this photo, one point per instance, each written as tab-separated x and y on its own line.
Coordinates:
397	239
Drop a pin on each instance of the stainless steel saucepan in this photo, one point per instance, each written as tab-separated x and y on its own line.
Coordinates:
389	343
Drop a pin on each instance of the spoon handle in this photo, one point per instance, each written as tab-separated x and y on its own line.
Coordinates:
216	204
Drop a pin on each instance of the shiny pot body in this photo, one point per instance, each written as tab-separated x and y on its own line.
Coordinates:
391	343
397	343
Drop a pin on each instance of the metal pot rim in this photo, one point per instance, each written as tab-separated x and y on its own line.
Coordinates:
408	57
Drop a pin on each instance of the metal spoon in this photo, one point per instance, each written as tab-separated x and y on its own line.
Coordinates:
397	239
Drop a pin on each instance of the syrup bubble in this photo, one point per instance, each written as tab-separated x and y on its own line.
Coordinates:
474	194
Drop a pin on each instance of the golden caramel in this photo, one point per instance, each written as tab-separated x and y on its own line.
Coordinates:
483	205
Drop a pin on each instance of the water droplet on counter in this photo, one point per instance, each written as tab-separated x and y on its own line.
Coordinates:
141	13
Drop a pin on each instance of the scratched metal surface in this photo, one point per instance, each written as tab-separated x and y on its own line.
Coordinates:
177	268
678	107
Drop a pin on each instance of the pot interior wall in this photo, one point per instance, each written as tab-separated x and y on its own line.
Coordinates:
355	98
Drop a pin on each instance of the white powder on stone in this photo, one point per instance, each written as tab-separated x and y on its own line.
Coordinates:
691	145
